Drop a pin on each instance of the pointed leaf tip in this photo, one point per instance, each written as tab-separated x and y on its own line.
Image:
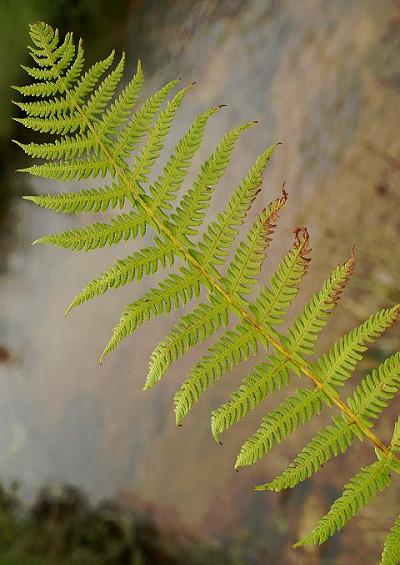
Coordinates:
68	310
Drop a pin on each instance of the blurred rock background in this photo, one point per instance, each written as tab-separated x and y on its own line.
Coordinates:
324	79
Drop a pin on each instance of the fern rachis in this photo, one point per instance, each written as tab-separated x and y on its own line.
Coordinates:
96	131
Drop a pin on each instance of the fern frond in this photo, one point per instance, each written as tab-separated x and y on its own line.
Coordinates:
391	549
129	319
105	91
99	131
376	389
66	148
221	233
190	329
60	115
120	110
101	199
188	214
334	439
67	53
65	170
163	192
230	350
60	85
362	488
274	300
267	377
367	402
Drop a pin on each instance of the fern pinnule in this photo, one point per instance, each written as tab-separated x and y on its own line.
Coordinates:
86	200
97	235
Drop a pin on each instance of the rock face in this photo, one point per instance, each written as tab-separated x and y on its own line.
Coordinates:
324	79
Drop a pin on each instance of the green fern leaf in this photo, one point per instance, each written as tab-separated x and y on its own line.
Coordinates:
86	200
336	366
97	235
154	144
163	191
173	292
395	443
391	550
60	85
188	215
120	110
332	440
141	263
66	105
134	131
280	423
362	488
98	131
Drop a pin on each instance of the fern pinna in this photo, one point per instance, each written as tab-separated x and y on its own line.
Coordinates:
96	131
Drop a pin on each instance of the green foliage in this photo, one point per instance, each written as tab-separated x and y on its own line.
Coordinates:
98	132
357	493
391	549
367	403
